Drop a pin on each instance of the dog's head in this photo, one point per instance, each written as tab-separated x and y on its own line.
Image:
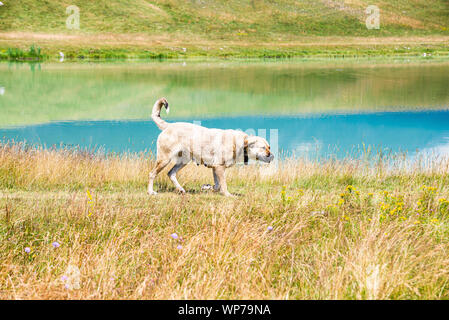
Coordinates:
258	149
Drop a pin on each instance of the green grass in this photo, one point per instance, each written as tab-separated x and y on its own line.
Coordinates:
99	53
218	19
16	54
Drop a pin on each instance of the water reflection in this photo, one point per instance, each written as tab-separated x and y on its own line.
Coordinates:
59	92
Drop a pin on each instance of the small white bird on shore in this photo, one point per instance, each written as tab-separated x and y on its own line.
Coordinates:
61	55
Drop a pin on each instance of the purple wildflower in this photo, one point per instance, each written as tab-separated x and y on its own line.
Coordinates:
174	236
27	250
270	228
64	278
55	244
179	247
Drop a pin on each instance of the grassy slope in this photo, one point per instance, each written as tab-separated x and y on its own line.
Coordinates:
245	28
387	238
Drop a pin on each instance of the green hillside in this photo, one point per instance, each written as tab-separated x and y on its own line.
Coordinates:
228	19
217	25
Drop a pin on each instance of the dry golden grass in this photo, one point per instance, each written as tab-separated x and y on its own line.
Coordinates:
52	41
341	230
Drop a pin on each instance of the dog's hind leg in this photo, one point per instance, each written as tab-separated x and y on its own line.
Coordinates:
217	183
172	175
160	165
219	172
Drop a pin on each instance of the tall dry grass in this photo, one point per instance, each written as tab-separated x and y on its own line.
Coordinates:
348	229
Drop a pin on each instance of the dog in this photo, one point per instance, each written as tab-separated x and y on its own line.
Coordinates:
217	149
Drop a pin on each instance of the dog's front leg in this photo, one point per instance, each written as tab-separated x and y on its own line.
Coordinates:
219	172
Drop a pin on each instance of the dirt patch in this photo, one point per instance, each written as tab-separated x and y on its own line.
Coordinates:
156	8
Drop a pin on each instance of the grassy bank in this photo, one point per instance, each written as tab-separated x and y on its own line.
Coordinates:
341	229
164	29
123	47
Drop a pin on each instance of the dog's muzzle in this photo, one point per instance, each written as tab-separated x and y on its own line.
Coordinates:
265	158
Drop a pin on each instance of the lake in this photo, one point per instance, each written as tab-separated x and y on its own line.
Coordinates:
311	108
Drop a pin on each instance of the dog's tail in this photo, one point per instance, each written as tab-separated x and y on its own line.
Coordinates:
156	113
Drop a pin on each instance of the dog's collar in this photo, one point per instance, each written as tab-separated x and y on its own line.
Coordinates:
245	153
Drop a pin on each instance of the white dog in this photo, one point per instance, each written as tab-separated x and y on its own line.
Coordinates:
215	148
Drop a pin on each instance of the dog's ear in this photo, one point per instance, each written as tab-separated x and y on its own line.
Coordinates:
250	140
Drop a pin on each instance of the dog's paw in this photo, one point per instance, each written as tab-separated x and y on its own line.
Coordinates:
152	193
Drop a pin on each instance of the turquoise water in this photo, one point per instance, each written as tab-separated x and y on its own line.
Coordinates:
310	136
303	109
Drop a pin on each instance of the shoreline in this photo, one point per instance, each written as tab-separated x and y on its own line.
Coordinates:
17	46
